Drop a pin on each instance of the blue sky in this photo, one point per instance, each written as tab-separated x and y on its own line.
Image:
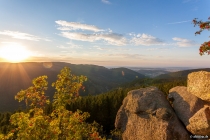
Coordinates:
145	33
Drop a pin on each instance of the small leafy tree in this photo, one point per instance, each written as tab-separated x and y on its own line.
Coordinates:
205	47
61	124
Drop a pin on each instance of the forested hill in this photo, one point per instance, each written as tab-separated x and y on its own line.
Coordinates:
103	107
180	74
17	76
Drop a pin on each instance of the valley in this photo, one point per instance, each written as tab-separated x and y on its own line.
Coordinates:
105	88
15	77
153	72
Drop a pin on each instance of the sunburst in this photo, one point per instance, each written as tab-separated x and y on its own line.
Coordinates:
14	52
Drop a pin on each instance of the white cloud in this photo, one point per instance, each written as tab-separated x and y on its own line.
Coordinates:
62	47
99	48
152	49
144	39
114	39
162	49
78	36
46	39
110	49
123	55
70	30
64	28
64	25
103	35
179	22
106	1
20	35
72	45
181	42
109	30
131	56
110	38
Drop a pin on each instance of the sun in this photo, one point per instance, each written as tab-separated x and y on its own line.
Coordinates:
14	53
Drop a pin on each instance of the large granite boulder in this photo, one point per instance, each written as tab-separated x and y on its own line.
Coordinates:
200	122
147	115
198	83
185	104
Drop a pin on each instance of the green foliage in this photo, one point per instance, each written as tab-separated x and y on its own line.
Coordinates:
4	122
67	87
35	95
60	124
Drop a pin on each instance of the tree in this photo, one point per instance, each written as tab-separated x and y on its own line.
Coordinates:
60	124
205	47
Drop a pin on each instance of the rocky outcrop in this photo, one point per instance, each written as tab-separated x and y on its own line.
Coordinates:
185	104
192	105
198	83
147	115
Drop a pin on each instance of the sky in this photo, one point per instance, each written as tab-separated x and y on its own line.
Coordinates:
140	33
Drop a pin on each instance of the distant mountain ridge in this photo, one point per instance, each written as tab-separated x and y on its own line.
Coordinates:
152	73
180	74
17	76
155	72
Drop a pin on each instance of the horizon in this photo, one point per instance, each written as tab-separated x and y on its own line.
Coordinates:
110	67
107	33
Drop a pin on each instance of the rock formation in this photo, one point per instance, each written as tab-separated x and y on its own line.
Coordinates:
147	115
185	104
198	83
200	122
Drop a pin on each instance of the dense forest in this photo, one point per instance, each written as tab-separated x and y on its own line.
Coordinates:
103	107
